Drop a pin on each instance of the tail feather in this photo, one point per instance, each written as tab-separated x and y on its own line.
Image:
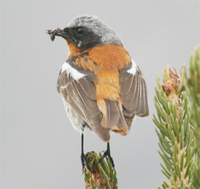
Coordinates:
113	117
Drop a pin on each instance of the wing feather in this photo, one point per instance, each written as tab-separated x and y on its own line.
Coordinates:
133	93
88	87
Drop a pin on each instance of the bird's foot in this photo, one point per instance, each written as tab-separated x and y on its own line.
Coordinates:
107	153
85	162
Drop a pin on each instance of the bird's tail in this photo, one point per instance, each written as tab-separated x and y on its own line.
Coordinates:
113	117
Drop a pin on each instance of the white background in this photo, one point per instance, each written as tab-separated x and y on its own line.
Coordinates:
39	147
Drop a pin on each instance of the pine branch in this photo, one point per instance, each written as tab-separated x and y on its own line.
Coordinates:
193	83
104	177
173	129
177	102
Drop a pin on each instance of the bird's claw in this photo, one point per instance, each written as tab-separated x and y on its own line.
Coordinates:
84	161
107	153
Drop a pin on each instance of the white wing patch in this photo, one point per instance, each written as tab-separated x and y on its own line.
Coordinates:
133	69
71	71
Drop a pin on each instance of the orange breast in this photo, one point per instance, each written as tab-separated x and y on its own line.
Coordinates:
105	61
110	56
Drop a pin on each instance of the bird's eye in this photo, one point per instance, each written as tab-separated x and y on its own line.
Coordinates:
65	29
80	30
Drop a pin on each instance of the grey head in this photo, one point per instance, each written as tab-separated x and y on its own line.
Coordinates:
88	31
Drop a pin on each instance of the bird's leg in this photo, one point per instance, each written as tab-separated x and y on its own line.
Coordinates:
84	159
107	153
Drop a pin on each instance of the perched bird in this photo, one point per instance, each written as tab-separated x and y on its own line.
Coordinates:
101	86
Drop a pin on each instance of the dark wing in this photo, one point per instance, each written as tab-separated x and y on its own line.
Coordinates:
133	92
78	90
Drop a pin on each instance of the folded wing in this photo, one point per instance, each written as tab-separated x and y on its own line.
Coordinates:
78	90
133	93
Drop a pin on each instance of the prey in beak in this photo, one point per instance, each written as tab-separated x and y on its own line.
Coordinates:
53	33
66	33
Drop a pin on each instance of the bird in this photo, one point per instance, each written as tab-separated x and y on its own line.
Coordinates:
101	86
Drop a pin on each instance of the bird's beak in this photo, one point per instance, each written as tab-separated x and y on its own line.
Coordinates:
56	32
